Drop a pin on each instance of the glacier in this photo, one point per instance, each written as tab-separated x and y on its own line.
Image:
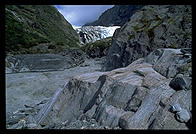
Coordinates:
89	34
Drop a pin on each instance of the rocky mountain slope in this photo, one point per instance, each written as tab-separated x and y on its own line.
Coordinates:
150	28
116	16
30	25
142	95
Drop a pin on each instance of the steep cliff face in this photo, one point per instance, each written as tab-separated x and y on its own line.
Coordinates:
117	16
29	25
150	28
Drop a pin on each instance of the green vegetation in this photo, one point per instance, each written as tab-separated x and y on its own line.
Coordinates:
158	22
8	64
30	25
174	45
186	67
147	25
131	36
100	46
136	28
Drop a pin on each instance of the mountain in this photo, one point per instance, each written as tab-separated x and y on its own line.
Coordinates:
150	28
30	25
116	16
88	34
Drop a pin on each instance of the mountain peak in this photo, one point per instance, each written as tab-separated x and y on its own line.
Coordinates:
117	15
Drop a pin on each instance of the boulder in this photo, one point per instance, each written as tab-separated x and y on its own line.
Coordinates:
181	83
148	110
168	118
109	115
183	115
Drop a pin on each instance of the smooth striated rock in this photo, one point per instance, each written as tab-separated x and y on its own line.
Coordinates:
133	97
183	116
169	62
167	119
148	110
176	108
109	115
135	102
90	89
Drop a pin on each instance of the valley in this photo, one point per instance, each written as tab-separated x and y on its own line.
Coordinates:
108	74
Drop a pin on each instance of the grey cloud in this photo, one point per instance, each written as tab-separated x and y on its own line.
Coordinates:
81	14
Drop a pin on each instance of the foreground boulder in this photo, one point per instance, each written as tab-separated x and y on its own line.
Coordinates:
150	28
134	97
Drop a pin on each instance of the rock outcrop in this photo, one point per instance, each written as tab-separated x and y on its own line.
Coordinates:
116	16
138	96
150	28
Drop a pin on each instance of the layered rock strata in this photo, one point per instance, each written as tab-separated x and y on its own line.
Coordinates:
138	96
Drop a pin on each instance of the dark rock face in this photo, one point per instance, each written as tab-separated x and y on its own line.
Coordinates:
134	97
150	28
116	16
180	83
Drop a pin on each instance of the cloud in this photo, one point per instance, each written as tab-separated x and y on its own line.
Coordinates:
81	14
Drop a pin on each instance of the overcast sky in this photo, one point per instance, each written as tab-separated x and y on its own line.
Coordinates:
79	15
